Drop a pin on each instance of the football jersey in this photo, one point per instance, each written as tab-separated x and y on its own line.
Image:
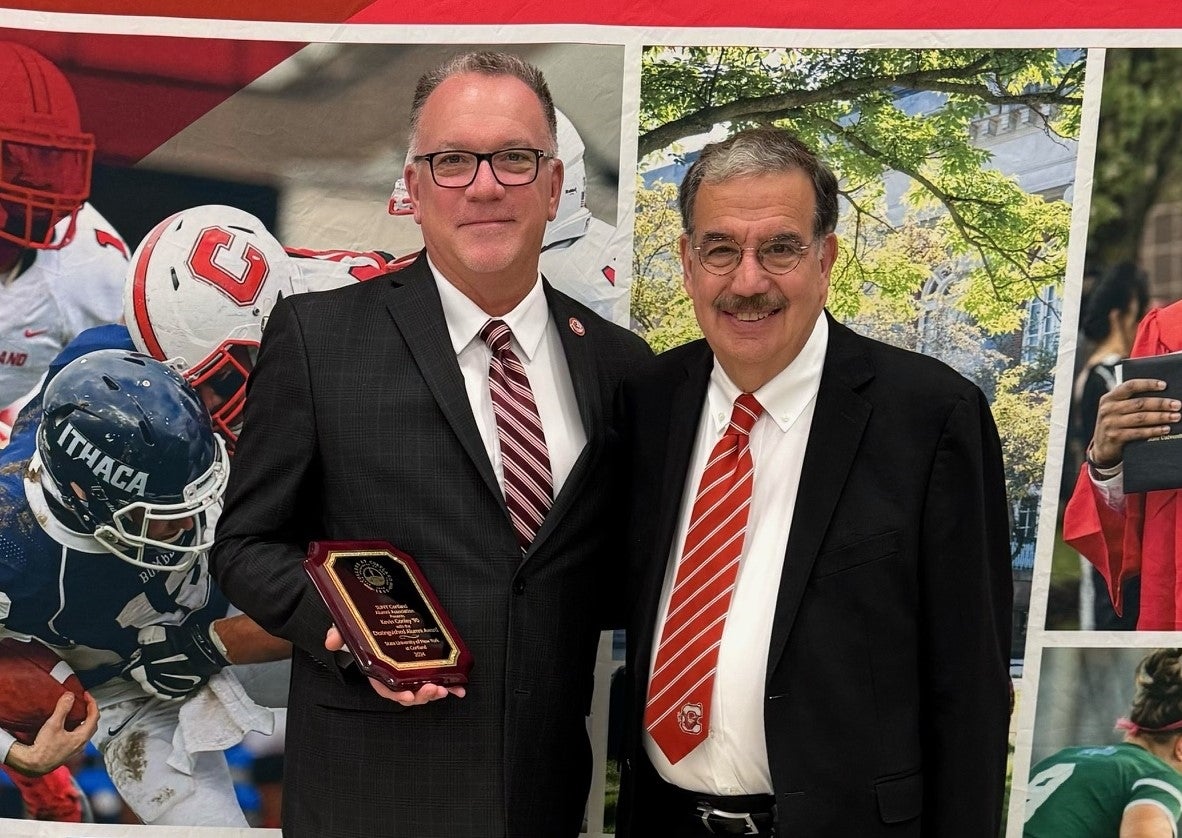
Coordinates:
323	270
57	295
1083	792
112	336
595	269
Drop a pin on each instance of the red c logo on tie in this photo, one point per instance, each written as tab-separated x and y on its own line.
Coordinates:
689	719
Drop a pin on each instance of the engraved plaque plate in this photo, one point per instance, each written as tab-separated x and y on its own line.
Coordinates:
389	616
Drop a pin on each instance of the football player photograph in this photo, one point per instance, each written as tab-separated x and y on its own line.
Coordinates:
107	507
818	554
61	263
459	410
173	311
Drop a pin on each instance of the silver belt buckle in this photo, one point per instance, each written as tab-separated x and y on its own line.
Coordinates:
745	817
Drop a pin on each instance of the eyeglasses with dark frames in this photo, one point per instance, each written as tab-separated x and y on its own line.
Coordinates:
778	255
456	168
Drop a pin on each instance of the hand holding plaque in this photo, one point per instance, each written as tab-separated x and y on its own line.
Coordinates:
387	614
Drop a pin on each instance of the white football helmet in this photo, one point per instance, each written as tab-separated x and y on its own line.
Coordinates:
573	217
200	288
400	202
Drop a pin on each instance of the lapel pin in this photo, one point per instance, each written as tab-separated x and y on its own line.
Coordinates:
577	327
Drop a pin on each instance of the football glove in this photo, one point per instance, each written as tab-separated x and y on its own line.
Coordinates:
173	661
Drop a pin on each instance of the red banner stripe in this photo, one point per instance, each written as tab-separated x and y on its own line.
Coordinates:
300	11
803	14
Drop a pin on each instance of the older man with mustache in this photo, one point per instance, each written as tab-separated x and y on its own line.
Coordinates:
819	551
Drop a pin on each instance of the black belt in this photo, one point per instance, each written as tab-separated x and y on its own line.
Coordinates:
747	814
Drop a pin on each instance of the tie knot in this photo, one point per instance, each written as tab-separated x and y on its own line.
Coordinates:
496	334
747	410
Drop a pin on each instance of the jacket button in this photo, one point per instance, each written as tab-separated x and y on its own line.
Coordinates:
519	587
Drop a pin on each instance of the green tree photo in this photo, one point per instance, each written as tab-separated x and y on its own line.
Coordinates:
953	234
1138	153
1008	244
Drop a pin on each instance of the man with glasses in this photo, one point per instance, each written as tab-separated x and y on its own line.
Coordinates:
818	552
457	410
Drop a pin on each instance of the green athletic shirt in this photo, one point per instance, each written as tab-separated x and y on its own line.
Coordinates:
1083	792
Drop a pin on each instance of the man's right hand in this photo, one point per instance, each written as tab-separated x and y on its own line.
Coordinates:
54	744
407	698
1128	412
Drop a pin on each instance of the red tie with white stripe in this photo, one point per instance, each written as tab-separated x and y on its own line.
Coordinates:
677	714
524	458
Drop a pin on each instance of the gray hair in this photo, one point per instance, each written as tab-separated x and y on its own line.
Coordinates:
486	64
760	151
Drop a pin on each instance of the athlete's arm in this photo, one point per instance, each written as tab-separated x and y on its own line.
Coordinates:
247	642
1146	819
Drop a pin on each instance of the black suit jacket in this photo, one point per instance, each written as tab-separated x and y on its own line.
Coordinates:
886	703
358	427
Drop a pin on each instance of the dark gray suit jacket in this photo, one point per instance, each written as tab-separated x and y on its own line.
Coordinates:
358	427
886	703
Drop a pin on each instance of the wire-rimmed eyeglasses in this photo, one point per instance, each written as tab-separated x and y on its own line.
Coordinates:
456	168
776	256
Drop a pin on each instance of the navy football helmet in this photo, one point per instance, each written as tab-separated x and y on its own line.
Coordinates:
127	446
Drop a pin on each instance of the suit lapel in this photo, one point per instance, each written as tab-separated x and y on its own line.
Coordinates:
417	312
578	339
838	423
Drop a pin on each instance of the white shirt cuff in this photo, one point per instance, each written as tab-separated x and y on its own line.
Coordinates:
1111	488
7	740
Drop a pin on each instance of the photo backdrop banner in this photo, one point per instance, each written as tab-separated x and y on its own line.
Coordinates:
296	112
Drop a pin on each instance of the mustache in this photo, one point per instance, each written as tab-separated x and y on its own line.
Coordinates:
756	303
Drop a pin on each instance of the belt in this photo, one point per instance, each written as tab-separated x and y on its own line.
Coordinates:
748	814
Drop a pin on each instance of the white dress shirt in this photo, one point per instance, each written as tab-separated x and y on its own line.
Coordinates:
733	758
536	343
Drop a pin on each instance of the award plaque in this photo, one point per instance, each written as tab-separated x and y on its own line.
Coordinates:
387	614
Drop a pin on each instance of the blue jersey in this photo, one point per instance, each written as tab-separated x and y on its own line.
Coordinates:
66	589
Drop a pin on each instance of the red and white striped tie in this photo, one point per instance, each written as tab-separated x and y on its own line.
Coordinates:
677	714
524	458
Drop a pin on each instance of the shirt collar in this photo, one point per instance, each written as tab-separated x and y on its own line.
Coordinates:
527	321
788	393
